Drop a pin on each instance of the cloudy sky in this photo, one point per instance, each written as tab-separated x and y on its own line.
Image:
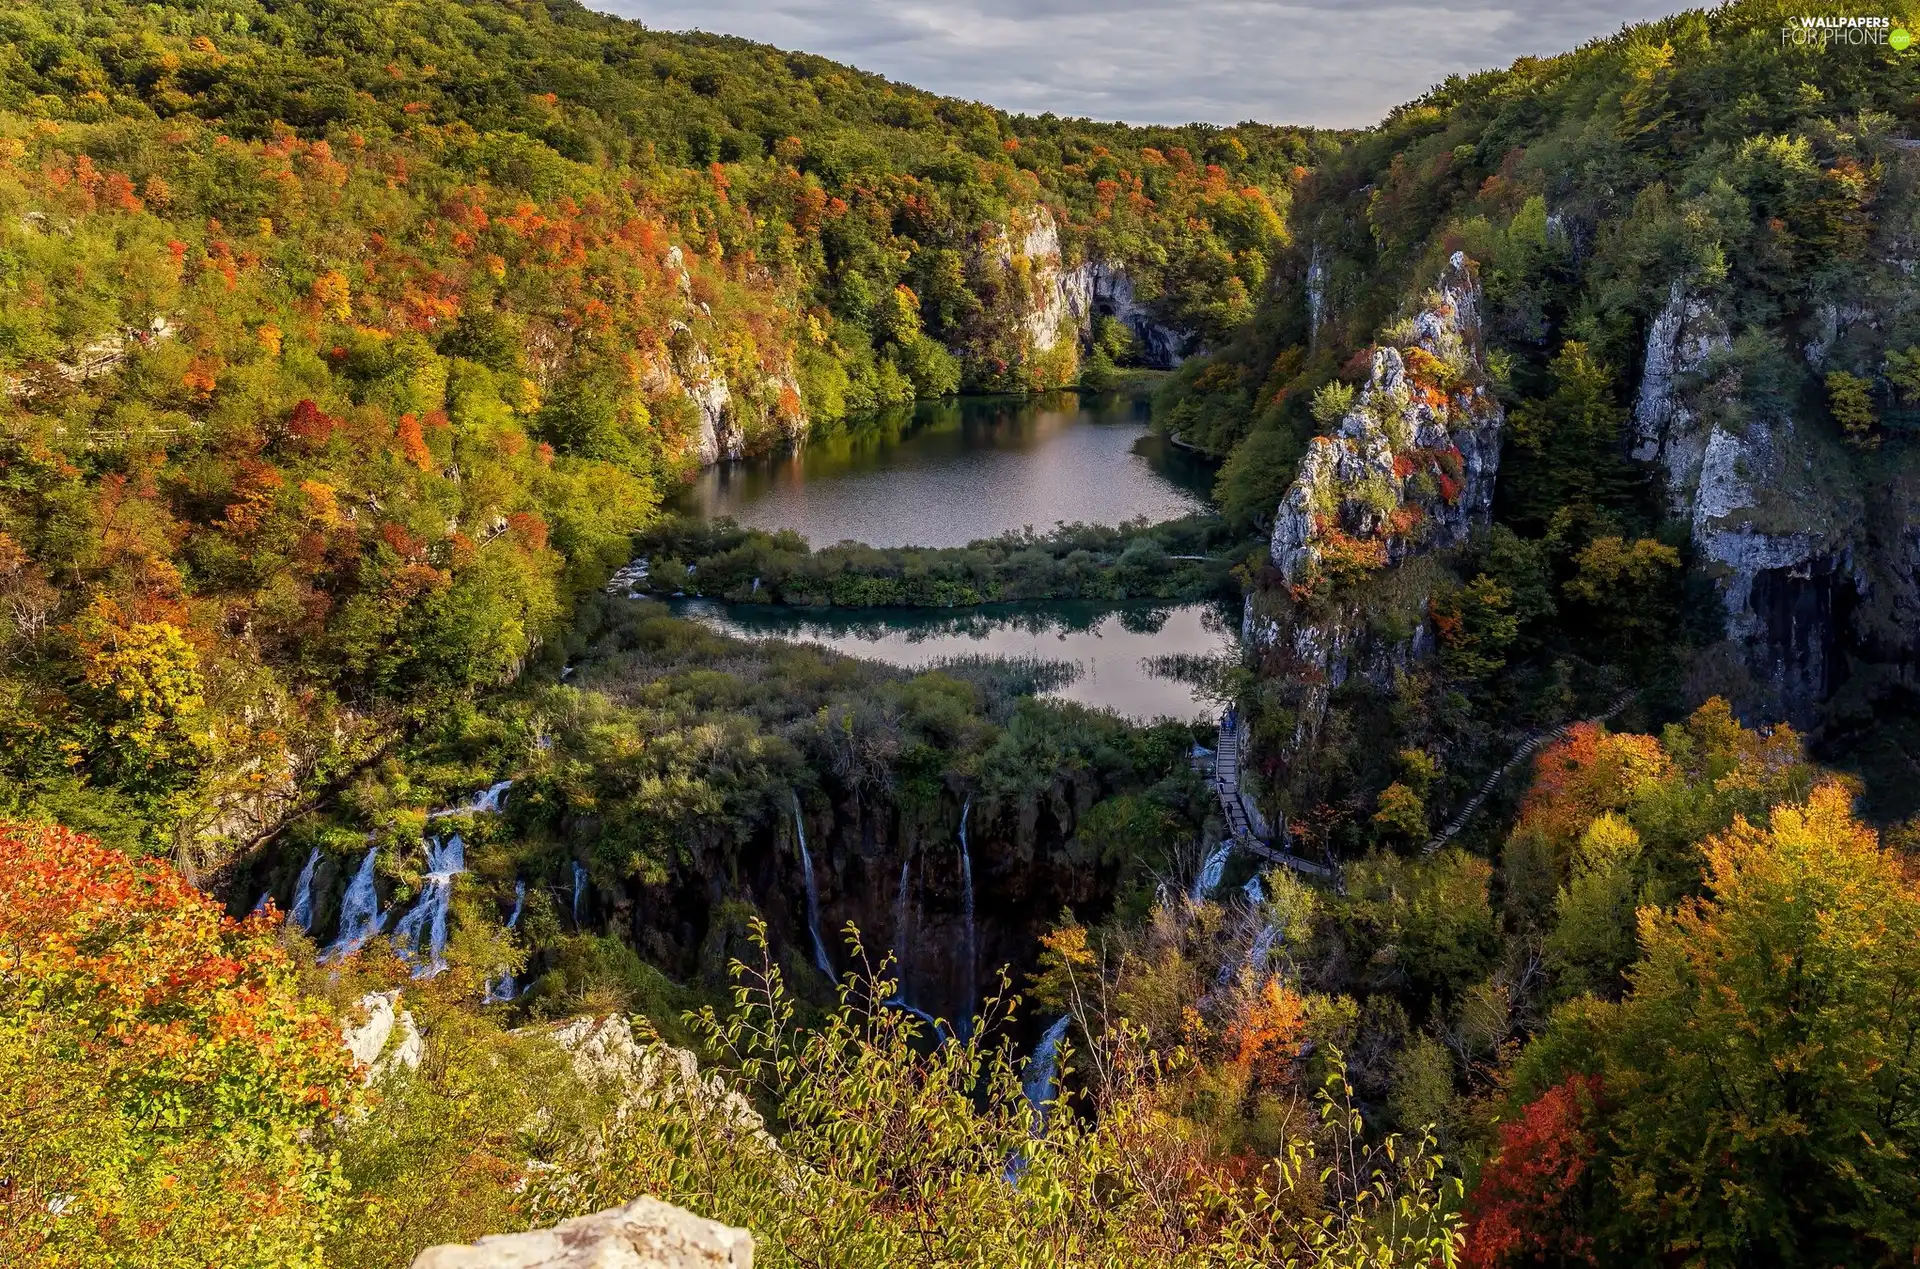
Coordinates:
1326	62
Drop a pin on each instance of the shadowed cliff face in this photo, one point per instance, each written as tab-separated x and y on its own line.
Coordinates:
1807	540
1026	867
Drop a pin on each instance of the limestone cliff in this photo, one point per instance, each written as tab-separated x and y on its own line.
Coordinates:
733	406
1407	471
645	1234
1044	310
1811	551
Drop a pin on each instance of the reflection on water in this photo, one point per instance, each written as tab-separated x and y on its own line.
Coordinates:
1111	647
946	473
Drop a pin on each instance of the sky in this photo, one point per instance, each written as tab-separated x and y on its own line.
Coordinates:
1330	63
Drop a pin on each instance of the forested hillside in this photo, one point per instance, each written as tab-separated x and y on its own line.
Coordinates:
345	343
1692	251
350	348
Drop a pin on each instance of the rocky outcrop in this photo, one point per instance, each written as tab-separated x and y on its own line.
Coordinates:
1103	289
1058	304
1411	464
1407	471
90	360
1055	298
1772	504
386	1039
606	1053
645	1234
689	370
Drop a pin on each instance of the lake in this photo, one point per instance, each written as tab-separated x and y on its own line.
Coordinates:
948	472
1113	648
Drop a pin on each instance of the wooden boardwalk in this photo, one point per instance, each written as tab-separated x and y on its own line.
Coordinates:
1247	829
1532	745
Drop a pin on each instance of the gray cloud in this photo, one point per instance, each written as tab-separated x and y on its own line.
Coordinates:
1151	61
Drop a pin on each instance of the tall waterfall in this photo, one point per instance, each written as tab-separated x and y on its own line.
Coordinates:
967	952
360	915
427	923
1210	872
820	960
579	890
1041	1078
501	989
900	928
302	913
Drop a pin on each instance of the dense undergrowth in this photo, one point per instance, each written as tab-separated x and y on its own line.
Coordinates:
1180	560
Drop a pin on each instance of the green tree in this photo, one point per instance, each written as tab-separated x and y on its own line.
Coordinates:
1758	1079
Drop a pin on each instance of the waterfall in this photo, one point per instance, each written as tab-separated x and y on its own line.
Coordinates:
967	951
1209	879
1263	947
301	914
428	920
487	801
900	931
813	894
1041	1077
360	915
579	890
501	989
1255	892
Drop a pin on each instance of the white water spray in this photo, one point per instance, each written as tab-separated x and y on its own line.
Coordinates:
579	889
360	915
1210	872
427	923
487	801
1040	1081
820	960
501	989
301	915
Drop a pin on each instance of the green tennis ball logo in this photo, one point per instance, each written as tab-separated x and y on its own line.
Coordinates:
1900	39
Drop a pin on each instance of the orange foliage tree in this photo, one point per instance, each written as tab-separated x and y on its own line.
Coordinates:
161	1080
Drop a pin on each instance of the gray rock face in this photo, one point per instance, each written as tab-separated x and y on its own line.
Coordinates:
1063	303
1409	465
386	1039
645	1234
1105	290
1408	470
1772	505
605	1052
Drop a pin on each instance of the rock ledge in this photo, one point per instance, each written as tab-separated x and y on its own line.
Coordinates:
645	1234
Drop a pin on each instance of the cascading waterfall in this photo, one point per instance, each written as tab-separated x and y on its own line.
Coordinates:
966	911
579	890
360	915
428	921
820	960
487	801
1255	892
1263	947
1210	872
301	914
1039	1081
501	989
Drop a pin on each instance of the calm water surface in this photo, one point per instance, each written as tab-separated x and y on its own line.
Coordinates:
1112	648
948	472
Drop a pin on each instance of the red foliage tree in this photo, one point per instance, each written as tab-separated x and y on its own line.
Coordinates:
1525	1210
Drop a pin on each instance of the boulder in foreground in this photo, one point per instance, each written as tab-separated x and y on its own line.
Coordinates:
645	1234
